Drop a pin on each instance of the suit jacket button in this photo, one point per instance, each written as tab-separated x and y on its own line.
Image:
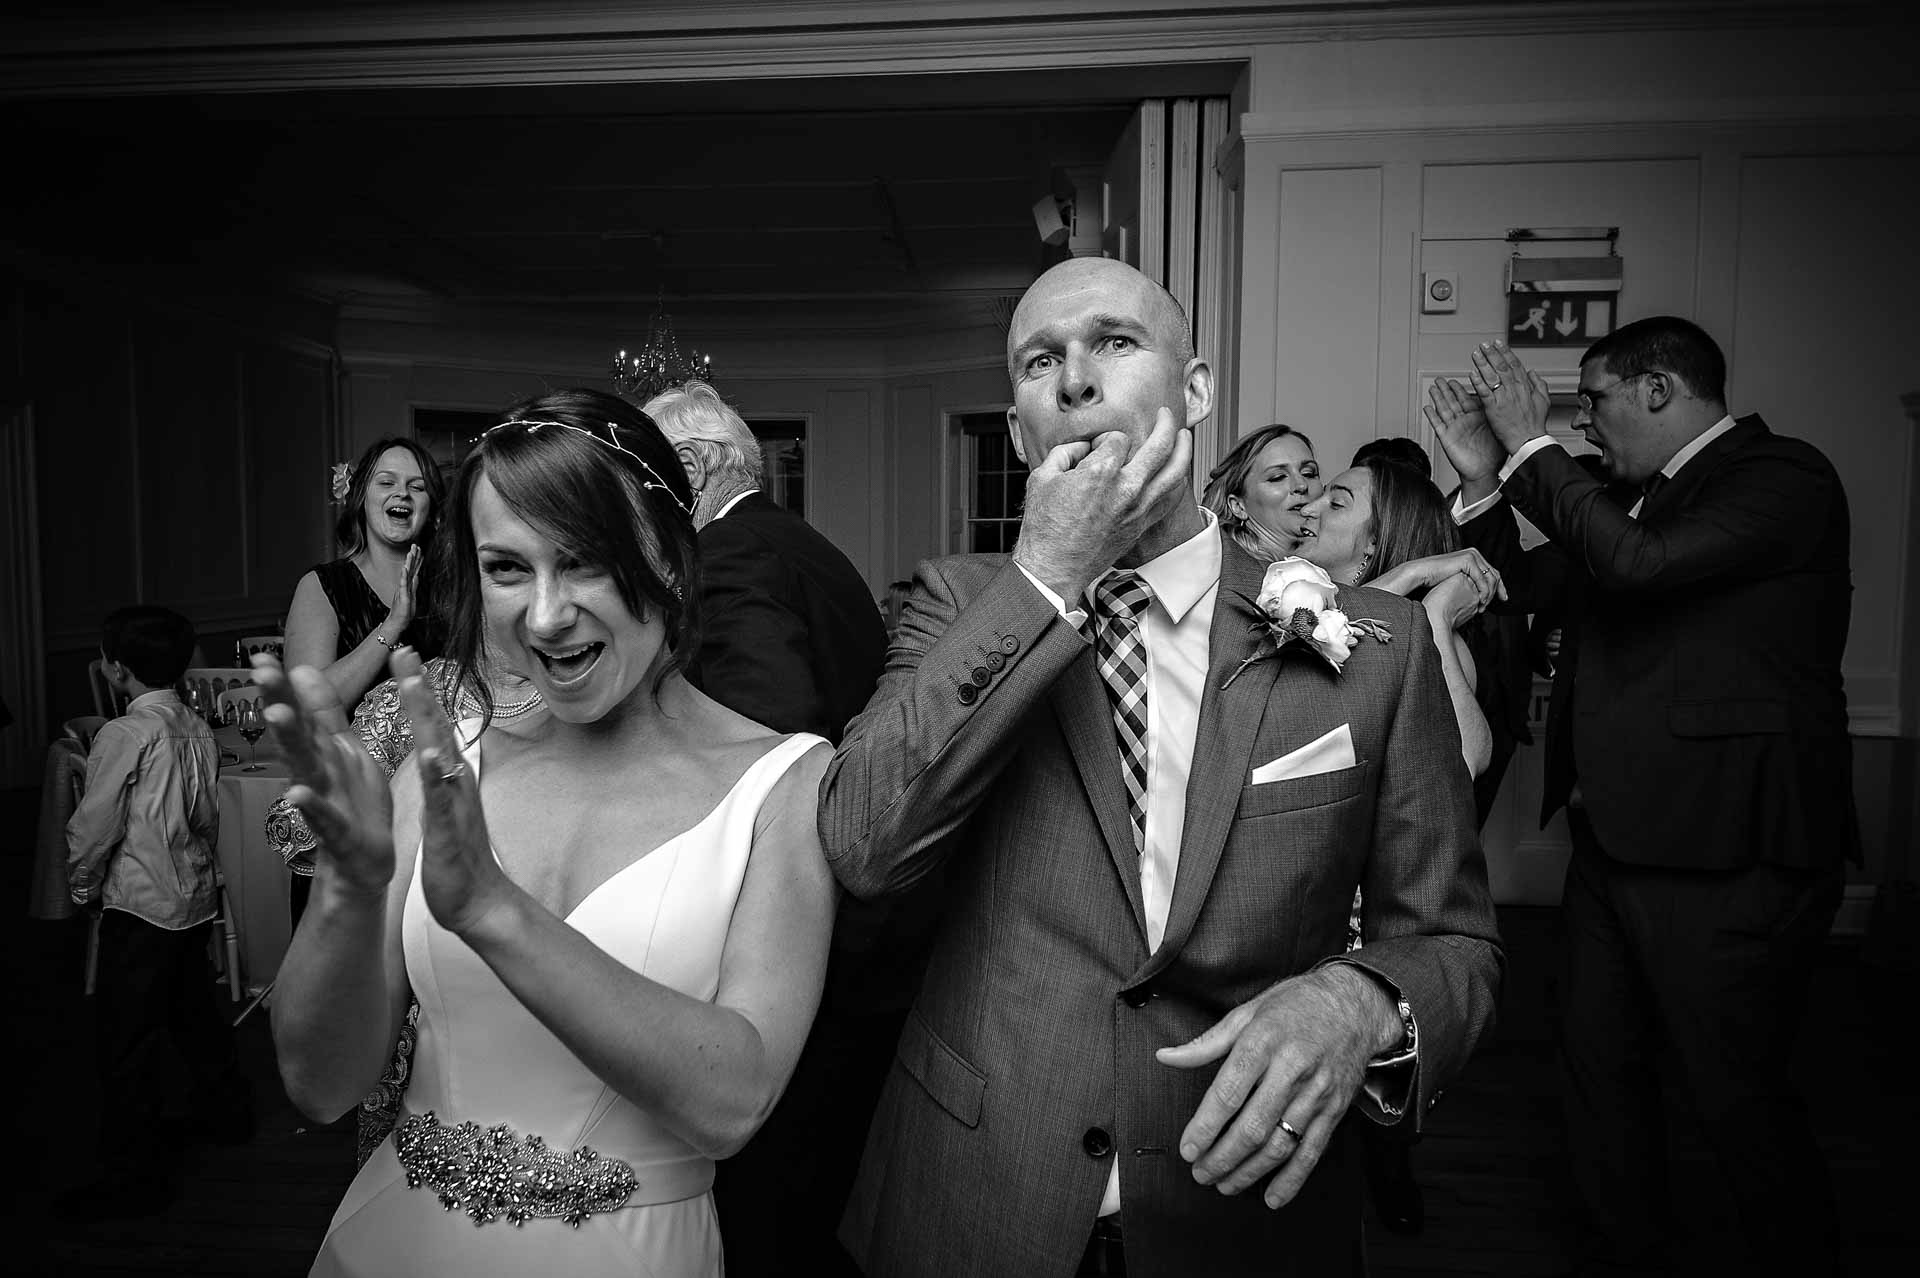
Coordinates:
980	677
1096	1142
968	694
995	662
1009	645
1137	996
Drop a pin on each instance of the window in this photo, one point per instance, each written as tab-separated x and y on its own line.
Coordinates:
996	485
783	460
449	433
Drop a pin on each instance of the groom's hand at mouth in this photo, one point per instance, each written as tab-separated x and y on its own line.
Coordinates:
1088	503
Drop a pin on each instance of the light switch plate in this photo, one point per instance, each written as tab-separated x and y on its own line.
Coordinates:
1439	292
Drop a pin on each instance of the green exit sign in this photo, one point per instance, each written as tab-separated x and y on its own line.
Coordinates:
1558	319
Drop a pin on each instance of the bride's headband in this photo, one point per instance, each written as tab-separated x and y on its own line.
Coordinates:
610	441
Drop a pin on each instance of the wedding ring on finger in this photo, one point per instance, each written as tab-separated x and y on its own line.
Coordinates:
1495	385
1290	1130
454	773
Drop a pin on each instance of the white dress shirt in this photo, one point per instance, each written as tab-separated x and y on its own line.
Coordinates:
1179	627
143	836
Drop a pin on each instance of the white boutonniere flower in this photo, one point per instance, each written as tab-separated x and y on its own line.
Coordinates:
1296	605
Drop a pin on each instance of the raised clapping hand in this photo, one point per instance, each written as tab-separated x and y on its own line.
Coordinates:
1296	1053
336	784
1459	422
1089	503
401	609
459	876
1515	400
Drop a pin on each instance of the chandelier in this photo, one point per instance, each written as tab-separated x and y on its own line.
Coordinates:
659	364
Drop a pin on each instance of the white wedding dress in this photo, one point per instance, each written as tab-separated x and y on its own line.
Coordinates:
482	1057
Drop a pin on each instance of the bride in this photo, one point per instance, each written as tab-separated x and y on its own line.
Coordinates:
616	923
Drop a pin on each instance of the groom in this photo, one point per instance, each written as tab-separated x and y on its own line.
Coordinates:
1138	1045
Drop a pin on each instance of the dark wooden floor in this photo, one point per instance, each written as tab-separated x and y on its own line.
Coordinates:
1491	1160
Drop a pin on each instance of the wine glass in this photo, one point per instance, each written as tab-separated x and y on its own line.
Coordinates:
252	725
195	701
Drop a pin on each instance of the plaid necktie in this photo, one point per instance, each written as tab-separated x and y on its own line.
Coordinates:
1120	649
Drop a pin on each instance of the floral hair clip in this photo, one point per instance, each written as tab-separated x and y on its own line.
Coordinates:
611	441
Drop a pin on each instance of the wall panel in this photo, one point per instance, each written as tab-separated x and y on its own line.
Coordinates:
838	454
289	416
1468	208
78	374
192	467
1825	343
1326	350
914	432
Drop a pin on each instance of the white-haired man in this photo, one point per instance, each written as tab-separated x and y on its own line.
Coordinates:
791	635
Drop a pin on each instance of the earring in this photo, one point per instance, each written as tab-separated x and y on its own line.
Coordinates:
1360	574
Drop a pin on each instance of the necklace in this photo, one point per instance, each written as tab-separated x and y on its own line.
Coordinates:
469	704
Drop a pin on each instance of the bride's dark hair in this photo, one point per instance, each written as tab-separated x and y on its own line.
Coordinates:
595	474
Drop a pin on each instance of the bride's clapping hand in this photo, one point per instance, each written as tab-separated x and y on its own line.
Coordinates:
458	874
336	784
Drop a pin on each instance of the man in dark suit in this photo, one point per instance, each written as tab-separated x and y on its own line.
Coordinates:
791	637
1138	1041
1697	738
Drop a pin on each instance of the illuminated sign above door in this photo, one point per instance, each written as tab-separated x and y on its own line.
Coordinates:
1558	319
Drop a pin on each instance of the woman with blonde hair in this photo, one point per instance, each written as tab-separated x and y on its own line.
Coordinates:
1260	489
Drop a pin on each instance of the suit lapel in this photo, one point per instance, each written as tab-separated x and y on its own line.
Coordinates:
1086	718
1223	746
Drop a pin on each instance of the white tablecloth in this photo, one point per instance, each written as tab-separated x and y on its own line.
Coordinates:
256	877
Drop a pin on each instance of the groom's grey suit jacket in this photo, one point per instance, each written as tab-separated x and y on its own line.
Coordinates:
986	769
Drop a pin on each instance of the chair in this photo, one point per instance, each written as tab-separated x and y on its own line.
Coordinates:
108	702
229	936
228	702
247	645
82	729
51	898
77	780
211	681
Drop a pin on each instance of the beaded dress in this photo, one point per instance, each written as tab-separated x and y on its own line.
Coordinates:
483	1058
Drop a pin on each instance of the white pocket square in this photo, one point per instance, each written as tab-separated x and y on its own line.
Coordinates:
1324	754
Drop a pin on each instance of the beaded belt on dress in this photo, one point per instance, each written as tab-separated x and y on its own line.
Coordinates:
490	1173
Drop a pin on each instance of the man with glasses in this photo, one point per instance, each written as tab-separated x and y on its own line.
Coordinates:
1697	738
